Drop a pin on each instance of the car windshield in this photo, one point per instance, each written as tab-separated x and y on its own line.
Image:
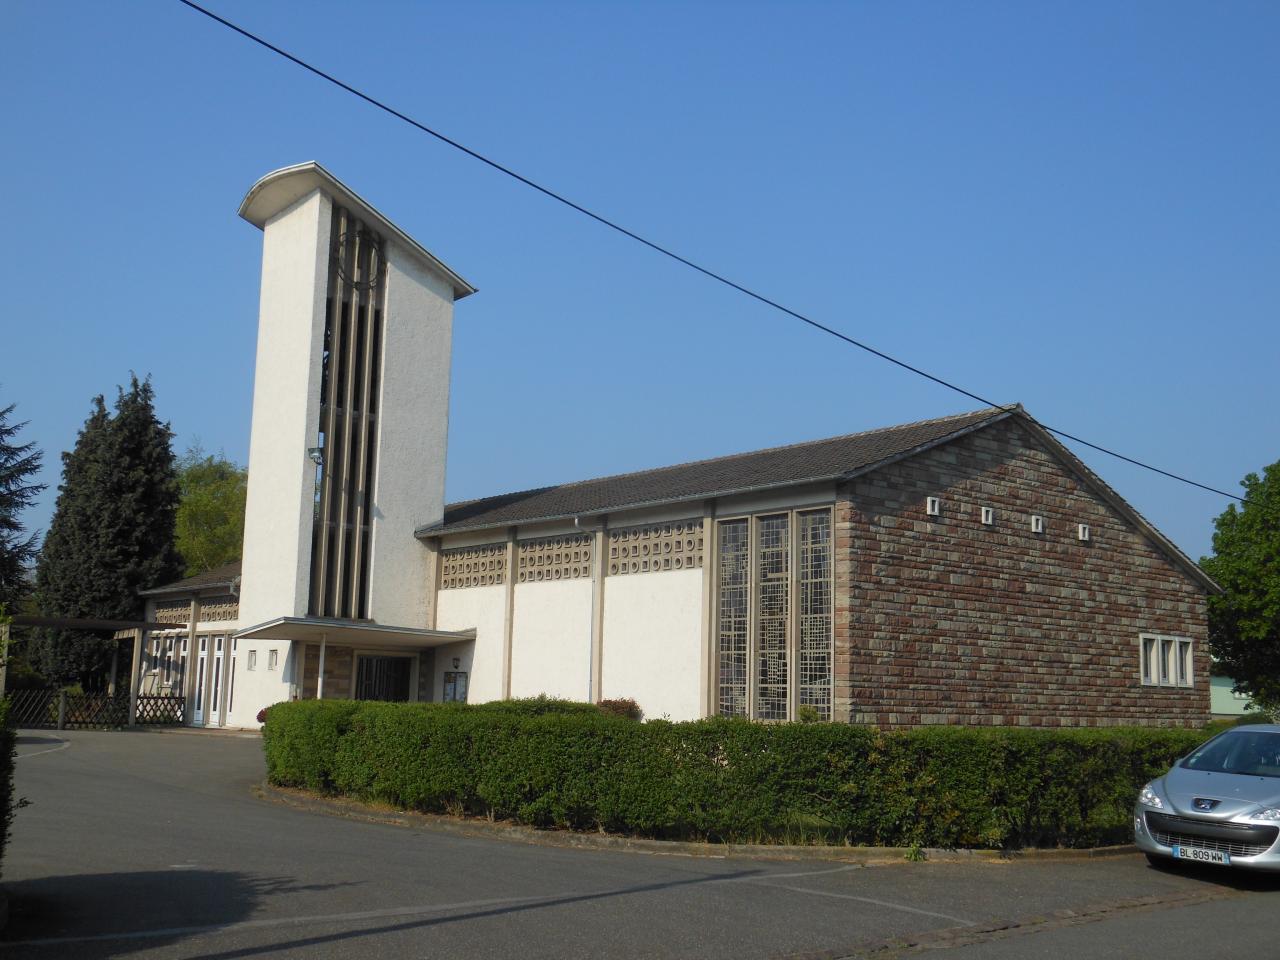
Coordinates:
1253	753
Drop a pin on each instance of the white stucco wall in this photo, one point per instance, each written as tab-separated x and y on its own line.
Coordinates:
551	640
484	609
286	412
260	687
413	429
653	642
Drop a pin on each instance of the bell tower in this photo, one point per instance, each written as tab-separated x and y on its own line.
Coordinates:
350	406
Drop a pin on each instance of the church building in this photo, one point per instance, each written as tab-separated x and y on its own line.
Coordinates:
966	569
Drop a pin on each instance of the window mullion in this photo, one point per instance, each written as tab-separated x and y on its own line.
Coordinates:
792	644
753	589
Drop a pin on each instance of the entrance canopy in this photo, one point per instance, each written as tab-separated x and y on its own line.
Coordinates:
351	633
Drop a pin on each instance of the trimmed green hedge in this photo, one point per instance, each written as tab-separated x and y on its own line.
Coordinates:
7	741
726	780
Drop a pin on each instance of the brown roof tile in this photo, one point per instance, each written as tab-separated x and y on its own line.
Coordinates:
760	469
217	577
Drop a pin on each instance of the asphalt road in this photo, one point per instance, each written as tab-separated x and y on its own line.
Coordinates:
154	846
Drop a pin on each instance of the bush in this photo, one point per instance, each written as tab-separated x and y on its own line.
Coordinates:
7	740
623	707
536	706
725	779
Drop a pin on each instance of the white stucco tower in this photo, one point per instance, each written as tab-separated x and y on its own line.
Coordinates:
350	407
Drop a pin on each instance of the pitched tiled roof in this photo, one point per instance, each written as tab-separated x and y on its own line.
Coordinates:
815	460
217	577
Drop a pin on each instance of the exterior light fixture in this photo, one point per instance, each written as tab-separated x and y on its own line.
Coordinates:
457	662
316	454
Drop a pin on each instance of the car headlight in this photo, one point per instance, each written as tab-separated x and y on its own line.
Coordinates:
1148	798
1270	814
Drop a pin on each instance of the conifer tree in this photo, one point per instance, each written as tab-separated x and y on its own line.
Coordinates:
18	462
111	534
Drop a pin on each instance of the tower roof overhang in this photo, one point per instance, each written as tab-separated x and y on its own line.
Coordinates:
281	188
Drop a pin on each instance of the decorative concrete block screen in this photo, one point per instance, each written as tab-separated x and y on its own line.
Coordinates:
219	608
481	566
656	547
554	558
173	611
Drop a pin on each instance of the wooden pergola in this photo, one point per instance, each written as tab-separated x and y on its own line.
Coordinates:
119	630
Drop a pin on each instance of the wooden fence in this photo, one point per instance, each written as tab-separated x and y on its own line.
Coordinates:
54	709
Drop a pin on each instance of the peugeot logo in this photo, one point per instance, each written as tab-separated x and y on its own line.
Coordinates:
1203	804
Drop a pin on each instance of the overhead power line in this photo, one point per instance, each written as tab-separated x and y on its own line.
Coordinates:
666	252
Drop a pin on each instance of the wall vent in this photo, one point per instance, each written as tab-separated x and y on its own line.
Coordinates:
1082	532
1037	523
932	506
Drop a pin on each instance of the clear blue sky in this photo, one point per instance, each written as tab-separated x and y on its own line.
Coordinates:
1073	205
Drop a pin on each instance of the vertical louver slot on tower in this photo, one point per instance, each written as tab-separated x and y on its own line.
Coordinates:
348	420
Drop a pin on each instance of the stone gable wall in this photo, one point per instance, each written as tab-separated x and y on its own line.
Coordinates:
946	620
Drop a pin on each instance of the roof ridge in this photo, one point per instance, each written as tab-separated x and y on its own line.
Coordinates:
742	453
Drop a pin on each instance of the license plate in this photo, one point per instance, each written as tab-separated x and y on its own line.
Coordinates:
1200	855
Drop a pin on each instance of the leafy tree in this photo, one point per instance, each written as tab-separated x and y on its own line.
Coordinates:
111	533
18	463
210	526
1244	623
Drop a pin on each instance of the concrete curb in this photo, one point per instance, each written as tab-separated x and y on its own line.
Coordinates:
458	826
195	731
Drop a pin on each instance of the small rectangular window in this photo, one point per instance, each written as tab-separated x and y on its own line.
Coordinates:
251	660
273	659
933	506
988	515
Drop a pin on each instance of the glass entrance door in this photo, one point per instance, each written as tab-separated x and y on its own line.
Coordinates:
202	658
215	695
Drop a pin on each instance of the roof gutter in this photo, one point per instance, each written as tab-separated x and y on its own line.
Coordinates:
223	586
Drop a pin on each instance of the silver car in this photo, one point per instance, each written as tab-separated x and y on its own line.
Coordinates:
1219	804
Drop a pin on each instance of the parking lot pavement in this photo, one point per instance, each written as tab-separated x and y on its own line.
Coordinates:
151	845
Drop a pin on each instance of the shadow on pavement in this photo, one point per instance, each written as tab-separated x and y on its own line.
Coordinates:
115	915
152	908
1238	878
425	923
